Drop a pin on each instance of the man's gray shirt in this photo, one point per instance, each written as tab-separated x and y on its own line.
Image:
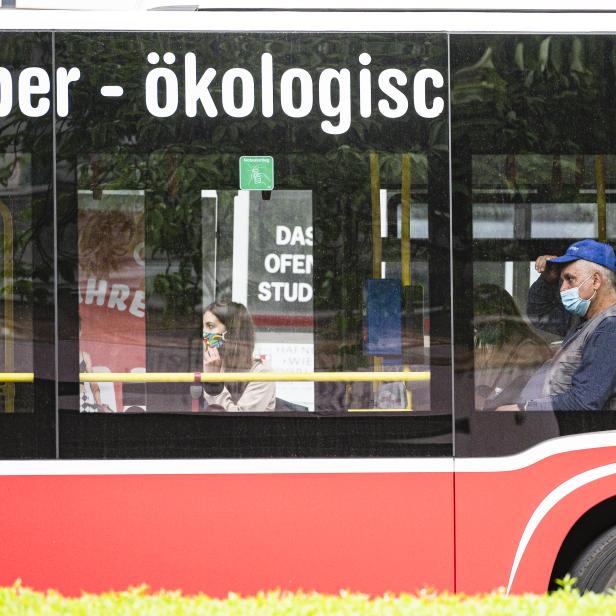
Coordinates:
594	382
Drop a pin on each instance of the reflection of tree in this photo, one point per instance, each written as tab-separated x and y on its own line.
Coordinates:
25	171
172	159
529	115
547	94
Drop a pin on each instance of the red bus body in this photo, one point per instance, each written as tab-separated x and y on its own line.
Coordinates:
306	527
368	522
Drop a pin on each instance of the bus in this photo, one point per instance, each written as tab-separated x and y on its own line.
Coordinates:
368	186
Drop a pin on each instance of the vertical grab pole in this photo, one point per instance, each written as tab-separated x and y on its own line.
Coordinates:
7	293
405	241
405	248
377	252
601	200
375	191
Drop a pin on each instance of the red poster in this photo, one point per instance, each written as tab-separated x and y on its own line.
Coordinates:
111	293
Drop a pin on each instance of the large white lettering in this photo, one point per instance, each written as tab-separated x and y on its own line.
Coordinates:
342	110
228	92
419	93
6	92
331	91
33	81
295	263
286	236
64	79
116	296
285	291
96	289
305	92
395	94
287	263
198	91
165	79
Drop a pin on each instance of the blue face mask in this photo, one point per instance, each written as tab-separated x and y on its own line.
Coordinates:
572	301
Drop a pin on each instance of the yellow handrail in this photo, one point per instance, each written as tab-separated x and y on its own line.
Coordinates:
16	377
225	377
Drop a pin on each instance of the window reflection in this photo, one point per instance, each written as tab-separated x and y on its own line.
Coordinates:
527	200
111	292
258	251
507	349
157	248
353	220
16	288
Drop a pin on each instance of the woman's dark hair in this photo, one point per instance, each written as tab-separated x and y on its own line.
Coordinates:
239	344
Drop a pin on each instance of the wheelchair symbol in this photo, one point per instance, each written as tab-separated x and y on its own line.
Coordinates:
258	177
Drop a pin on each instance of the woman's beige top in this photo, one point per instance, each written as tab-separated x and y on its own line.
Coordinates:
258	396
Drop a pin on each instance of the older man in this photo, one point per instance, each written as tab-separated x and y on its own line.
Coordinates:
582	373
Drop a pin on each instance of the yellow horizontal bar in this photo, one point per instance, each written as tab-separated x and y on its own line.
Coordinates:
225	377
380	410
16	377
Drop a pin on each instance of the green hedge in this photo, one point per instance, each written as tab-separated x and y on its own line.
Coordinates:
18	600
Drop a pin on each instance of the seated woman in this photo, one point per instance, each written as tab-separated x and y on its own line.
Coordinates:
228	346
507	350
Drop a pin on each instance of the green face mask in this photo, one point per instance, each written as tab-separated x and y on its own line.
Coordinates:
212	340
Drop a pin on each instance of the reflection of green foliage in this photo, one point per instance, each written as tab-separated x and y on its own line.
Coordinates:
539	93
545	99
119	145
171	180
25	177
23	288
20	209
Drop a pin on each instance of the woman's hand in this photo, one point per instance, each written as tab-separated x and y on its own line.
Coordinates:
211	360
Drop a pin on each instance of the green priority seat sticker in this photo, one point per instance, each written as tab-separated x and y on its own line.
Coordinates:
256	173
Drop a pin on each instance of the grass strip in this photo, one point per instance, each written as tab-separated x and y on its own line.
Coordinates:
19	600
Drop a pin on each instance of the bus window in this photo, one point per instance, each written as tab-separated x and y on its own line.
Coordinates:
27	339
287	224
258	250
532	151
17	267
111	292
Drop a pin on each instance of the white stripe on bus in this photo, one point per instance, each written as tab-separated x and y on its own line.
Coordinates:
282	466
549	502
546	449
326	466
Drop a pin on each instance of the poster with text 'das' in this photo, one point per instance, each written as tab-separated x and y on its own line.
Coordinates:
279	284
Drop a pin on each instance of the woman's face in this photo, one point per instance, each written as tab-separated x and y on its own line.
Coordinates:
212	324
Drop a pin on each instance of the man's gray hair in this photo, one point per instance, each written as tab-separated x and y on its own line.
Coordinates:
608	274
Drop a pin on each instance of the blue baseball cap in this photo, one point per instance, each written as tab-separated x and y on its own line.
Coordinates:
589	250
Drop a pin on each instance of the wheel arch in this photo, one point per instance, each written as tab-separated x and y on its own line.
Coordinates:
586	529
